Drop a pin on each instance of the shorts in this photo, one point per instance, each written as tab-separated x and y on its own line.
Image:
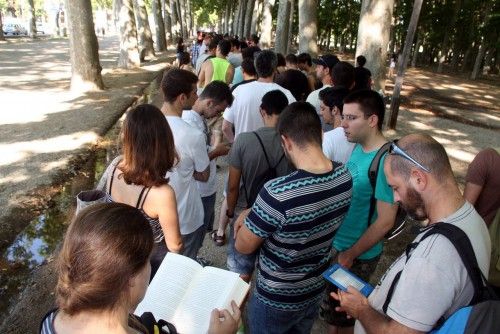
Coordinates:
361	268
243	264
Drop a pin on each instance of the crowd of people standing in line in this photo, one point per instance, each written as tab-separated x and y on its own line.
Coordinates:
300	135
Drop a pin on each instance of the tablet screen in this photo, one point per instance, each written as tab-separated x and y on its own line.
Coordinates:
346	280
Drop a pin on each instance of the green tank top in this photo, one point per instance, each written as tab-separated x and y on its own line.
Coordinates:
220	67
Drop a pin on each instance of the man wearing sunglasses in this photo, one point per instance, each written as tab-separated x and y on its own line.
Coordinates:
357	244
433	282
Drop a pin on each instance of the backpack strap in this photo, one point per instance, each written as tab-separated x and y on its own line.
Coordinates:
372	176
461	242
263	149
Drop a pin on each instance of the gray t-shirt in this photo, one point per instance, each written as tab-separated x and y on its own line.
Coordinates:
246	155
434	281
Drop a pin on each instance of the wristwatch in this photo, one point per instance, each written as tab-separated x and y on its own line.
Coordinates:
229	215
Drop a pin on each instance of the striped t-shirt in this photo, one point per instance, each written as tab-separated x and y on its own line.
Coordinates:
297	216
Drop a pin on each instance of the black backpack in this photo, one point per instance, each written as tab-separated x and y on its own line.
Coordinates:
485	303
401	216
269	174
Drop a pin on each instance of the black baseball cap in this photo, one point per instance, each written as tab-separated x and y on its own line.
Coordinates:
326	60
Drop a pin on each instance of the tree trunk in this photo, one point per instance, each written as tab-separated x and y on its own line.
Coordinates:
282	26
257	9
290	27
308	27
161	42
479	60
249	18
167	19
454	58
146	45
266	25
395	101
415	52
447	34
466	58
2	37
32	19
226	17
241	26
129	49
83	47
373	37
190	25
392	33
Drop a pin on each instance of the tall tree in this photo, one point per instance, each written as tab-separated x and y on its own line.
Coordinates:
167	19
293	4
308	26
83	47
161	42
257	9
283	20
266	25
373	37
32	18
483	41
249	18
129	48
146	45
447	34
395	101
2	37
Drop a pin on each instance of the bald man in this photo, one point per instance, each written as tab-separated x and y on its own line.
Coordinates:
433	282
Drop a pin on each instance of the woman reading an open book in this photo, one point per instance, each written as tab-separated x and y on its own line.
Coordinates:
137	177
104	272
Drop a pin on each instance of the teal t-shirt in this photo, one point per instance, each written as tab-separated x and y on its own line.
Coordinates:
356	221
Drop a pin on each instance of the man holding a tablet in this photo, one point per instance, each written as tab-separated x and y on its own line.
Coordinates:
433	281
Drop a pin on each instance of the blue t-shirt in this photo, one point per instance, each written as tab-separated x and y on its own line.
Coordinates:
297	216
356	221
238	75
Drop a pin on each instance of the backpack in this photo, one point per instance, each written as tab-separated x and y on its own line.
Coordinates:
401	216
260	180
161	326
482	315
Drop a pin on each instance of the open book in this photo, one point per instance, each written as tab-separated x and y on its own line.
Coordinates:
184	293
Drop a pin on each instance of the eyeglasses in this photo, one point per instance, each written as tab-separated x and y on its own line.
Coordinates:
396	150
349	117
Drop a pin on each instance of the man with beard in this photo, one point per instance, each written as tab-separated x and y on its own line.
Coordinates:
433	282
292	223
357	244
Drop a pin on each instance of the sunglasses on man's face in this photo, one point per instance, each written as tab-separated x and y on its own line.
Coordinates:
396	150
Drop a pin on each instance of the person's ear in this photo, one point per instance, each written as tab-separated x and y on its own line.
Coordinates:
373	121
418	179
286	142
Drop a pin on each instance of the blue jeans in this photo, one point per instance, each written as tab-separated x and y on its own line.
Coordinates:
267	320
193	242
209	210
242	264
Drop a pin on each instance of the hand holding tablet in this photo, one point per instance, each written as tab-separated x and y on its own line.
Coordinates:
342	278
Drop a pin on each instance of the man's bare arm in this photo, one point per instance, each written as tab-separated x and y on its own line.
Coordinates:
227	130
202	176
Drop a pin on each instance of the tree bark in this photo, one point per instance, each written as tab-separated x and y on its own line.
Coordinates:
257	10
282	26
290	27
308	27
266	25
83	47
226	17
161	42
241	25
32	18
2	37
395	101
237	17
249	18
167	19
447	34
479	60
146	45
415	52
373	37
129	48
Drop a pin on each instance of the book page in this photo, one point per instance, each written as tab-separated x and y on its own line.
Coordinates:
168	287
212	289
238	294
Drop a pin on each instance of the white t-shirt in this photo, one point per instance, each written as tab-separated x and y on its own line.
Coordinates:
313	98
434	281
244	112
335	145
192	150
196	120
